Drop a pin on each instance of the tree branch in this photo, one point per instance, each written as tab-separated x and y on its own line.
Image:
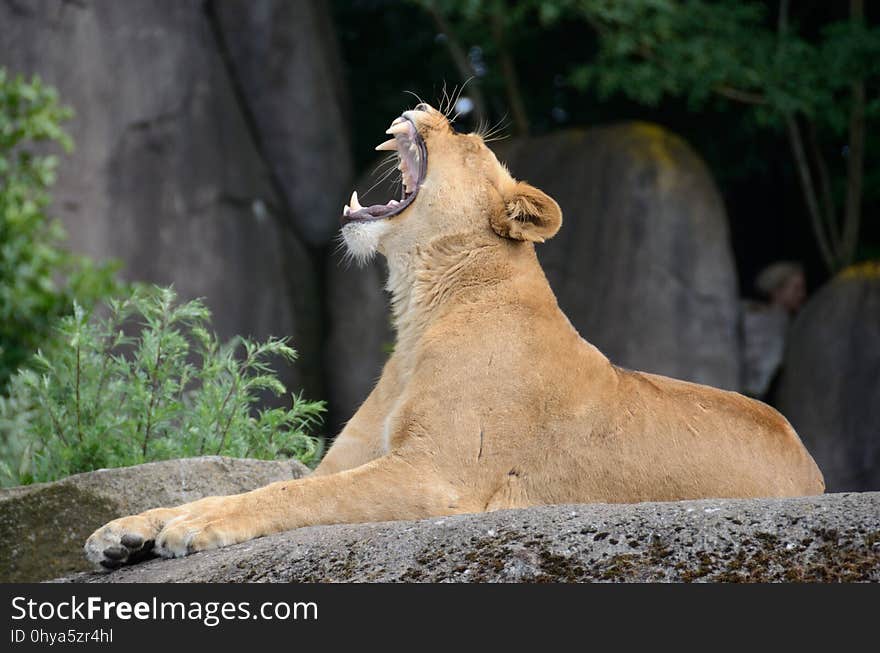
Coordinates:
852	211
783	16
459	58
746	97
809	191
508	71
830	214
826	241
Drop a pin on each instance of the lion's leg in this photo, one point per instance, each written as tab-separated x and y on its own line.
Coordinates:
348	452
388	488
361	439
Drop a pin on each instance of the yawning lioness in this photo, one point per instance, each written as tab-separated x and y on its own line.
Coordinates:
491	399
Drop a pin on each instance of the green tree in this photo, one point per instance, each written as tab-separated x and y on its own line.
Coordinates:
39	279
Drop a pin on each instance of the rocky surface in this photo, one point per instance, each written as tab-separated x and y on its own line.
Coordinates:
830	384
284	56
43	527
829	538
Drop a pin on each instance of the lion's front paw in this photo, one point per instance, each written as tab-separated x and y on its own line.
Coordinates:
169	532
122	541
197	532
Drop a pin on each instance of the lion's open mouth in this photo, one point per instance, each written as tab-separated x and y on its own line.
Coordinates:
412	164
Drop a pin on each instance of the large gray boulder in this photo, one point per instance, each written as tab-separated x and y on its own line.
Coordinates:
828	538
43	527
284	57
168	174
830	383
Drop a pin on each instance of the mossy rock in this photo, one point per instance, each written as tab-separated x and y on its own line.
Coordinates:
830	384
43	527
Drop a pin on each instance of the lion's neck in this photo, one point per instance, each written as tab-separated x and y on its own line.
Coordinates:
433	279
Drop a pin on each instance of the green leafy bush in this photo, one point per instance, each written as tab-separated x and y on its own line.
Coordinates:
99	397
39	280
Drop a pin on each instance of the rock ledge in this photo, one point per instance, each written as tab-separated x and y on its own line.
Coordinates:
828	538
43	526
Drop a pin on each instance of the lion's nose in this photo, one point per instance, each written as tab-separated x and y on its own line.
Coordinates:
421	106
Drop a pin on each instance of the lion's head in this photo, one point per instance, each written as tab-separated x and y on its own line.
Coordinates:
451	184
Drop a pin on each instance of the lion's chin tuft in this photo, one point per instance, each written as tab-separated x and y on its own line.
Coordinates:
362	239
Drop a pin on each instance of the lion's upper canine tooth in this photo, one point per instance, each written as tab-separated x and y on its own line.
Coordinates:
399	128
390	144
355	205
397	120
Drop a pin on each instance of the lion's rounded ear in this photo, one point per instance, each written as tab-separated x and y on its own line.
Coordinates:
530	214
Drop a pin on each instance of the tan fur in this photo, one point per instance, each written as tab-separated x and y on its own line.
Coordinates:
491	399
